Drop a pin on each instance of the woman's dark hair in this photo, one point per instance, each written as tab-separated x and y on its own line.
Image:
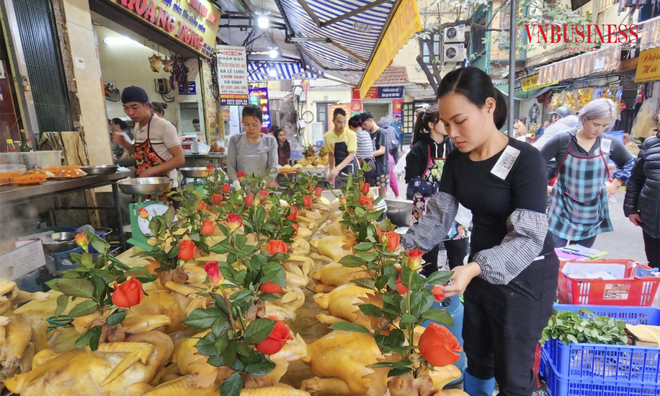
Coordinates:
422	125
159	107
122	124
253	111
276	131
476	86
355	121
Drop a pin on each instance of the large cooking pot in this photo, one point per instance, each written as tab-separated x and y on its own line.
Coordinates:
399	212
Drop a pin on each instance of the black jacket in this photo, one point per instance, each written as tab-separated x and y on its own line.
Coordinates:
643	190
418	157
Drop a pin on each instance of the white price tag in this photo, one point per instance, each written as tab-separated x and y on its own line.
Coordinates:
505	163
22	260
605	145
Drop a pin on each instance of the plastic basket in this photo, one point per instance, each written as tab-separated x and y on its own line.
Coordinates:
630	291
559	385
600	363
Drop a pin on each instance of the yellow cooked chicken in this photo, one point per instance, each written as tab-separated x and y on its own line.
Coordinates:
336	274
342	303
334	246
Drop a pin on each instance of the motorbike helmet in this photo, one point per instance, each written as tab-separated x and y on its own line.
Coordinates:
562	111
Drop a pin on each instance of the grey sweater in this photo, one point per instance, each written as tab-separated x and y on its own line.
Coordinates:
255	158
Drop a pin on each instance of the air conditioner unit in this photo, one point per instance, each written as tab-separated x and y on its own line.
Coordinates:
454	34
454	53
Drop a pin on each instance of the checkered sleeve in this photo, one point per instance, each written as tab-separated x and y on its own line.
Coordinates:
433	226
522	245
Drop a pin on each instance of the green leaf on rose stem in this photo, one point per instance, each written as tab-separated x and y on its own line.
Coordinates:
398	371
173	252
382	364
90	337
347	326
375	215
364	246
53	284
86	260
116	317
239	295
439	278
367	283
241	240
352	262
76	257
220	326
118	263
249	355
421	302
269	297
260	369
273	272
439	316
239	365
99	244
76	287
168	216
219	248
232	385
206	345
227	271
99	285
408	318
258	330
231	258
367	256
240	276
202	318
261	215
360	211
371	310
62	302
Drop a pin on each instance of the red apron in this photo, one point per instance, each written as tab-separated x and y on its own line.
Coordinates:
146	157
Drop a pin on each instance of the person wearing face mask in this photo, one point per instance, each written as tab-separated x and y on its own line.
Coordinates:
251	152
510	281
424	167
579	210
157	146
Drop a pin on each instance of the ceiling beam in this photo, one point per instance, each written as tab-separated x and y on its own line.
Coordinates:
341	47
310	12
351	13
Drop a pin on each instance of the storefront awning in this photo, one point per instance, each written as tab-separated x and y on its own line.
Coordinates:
272	71
603	60
354	40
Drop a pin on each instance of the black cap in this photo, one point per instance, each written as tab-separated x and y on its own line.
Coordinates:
134	94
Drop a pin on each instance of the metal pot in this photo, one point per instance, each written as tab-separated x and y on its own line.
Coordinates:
399	212
63	241
145	185
195	172
100	169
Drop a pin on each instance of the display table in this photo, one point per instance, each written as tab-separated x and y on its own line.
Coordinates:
219	160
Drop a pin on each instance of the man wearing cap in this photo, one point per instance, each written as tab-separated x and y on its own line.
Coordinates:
157	147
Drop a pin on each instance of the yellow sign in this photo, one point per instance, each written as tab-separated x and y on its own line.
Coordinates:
402	28
648	67
531	82
192	22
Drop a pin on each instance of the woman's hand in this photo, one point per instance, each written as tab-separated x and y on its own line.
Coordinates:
118	138
613	187
148	172
332	175
635	219
463	275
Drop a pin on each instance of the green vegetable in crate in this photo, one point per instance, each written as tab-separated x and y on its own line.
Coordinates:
585	326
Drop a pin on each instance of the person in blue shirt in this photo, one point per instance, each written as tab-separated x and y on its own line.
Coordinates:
398	126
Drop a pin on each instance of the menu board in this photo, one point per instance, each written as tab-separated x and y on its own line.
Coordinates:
232	75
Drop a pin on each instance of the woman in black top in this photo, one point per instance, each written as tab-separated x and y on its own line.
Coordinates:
510	282
283	147
424	167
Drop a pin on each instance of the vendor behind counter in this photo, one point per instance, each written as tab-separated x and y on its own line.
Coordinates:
251	152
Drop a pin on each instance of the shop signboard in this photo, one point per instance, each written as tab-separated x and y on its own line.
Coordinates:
648	67
188	88
192	22
259	97
232	76
390	92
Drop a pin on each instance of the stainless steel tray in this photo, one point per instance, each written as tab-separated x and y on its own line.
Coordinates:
145	185
100	169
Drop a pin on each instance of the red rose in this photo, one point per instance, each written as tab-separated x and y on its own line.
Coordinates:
293	213
234	221
240	175
276	340
307	201
270	288
272	184
263	193
249	199
438	293
365	188
391	238
212	270
226	188
414	260
366	202
143	213
216	199
276	246
202	206
295	227
399	284
318	191
310	188
439	346
188	250
208	227
128	293
210	168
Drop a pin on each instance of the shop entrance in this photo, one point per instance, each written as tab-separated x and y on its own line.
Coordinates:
379	110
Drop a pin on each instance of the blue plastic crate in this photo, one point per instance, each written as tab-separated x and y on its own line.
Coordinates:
558	385
600	362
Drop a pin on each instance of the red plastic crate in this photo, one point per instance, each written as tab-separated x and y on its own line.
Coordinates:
630	291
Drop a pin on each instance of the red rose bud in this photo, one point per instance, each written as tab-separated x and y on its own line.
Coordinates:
307	201
187	251
366	202
202	206
263	193
365	188
216	199
393	241
276	340
81	240
276	246
270	288
293	213
240	175
128	294
212	270
310	188
438	293
318	191
249	199
414	259
272	184
210	168
208	227
234	221
439	346
143	213
399	284
226	188
295	227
